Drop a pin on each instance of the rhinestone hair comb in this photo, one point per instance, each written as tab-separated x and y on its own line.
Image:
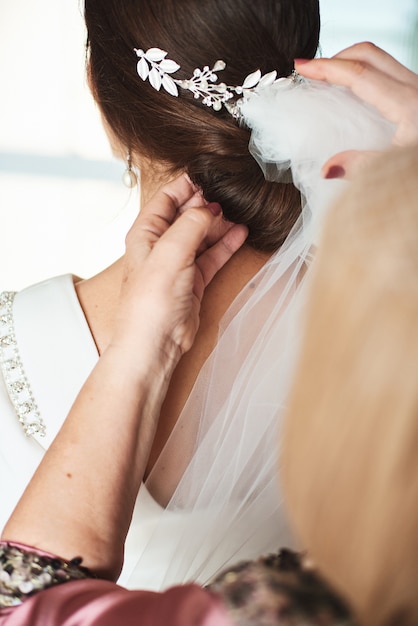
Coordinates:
154	66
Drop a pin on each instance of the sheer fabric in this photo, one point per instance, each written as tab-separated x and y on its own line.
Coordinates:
213	497
222	456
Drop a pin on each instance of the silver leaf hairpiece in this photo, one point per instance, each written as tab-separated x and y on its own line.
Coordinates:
154	66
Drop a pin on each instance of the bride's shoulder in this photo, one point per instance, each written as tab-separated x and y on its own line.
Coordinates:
41	290
46	352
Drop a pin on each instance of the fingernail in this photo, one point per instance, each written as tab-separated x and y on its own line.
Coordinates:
301	61
335	171
215	208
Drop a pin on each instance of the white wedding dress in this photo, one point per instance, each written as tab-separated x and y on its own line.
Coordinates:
224	504
47	351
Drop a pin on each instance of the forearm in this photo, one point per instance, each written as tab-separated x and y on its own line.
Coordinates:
81	498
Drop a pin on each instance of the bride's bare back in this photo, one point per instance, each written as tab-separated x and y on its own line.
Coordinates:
98	296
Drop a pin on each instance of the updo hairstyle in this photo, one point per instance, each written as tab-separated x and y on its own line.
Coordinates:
182	132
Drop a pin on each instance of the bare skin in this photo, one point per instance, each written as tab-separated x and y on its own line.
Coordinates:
167	266
374	76
378	79
98	297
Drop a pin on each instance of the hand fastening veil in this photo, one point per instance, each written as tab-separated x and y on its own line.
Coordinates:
223	502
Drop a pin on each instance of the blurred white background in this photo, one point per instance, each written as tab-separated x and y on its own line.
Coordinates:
63	207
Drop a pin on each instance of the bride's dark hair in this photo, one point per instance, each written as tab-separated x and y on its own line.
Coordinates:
182	132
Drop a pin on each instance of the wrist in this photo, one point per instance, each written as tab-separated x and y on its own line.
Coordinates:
143	359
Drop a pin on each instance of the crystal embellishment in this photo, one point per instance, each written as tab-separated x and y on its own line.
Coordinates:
11	365
154	66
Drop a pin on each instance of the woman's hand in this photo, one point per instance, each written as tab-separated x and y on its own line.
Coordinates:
378	79
173	251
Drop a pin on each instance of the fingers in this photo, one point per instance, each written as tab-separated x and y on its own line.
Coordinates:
211	261
178	233
346	165
197	200
159	213
180	230
375	87
381	60
358	56
378	79
168	200
189	232
179	247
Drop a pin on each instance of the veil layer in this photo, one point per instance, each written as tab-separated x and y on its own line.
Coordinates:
227	504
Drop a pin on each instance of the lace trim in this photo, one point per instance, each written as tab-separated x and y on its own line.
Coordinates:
24	573
11	365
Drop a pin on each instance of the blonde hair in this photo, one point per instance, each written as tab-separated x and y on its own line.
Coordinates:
350	457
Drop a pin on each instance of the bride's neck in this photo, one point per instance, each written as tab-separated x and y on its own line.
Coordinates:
153	176
98	295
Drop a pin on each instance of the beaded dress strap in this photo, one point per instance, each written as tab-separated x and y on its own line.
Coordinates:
15	379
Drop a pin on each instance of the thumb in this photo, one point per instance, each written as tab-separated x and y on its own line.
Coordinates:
346	165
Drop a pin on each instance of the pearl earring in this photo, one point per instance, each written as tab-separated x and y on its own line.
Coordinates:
129	177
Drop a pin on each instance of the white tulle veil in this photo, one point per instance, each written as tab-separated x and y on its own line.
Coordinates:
227	504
